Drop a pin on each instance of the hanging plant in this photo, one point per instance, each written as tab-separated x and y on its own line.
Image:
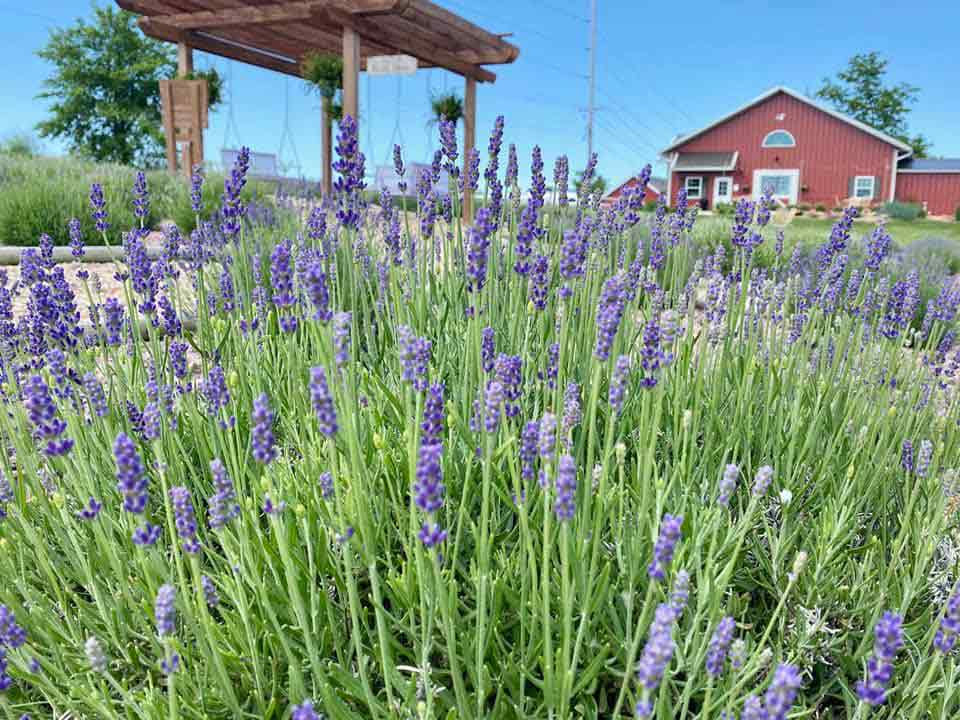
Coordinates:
448	105
214	85
323	72
336	111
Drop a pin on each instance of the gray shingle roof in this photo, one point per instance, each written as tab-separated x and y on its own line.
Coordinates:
931	165
687	161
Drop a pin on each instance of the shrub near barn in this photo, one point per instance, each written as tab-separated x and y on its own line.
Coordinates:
562	462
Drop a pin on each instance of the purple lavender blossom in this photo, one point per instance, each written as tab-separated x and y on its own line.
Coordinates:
414	357
487	349
141	197
146	535
680	595
428	489
527	233
493	150
478	245
529	440
322	400
196	189
90	510
165	611
720	646
223	505
906	456
399	169
762	481
539	278
261	434
281	275
113	321
76	239
665	546
131	475
216	394
728	484
652	356
888	639
509	371
946	637
341	338
42	412
547	440
618	383
99	208
493	398
878	247
305	710
448	143
782	692
609	313
186	521
565	505
656	655
232	209
315	280
432	426
326	485
12	635
210	595
561	177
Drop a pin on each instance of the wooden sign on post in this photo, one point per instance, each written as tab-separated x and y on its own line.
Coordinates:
391	65
184	108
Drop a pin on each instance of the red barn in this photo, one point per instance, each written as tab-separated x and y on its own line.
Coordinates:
655	188
807	153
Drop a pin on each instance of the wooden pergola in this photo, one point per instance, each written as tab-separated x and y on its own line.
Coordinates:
277	34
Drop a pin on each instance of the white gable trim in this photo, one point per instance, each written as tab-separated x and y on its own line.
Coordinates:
797	96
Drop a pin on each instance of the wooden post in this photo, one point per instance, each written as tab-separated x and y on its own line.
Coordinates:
326	185
184	59
469	141
351	73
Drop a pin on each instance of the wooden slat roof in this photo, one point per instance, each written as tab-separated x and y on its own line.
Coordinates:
276	34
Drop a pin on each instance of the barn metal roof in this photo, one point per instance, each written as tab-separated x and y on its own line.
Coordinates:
276	34
705	161
797	96
930	165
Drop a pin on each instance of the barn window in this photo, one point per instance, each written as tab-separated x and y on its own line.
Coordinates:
863	186
779	138
694	187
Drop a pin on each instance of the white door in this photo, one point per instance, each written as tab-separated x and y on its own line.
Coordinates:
722	190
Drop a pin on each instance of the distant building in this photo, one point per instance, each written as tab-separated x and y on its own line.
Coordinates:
655	188
806	153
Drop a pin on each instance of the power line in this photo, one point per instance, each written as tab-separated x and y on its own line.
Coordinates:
562	11
592	88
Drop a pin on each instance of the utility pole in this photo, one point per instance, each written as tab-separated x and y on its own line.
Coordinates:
591	109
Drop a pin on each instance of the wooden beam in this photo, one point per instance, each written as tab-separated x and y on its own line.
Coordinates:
326	181
351	72
230	17
439	20
184	59
384	34
469	141
216	46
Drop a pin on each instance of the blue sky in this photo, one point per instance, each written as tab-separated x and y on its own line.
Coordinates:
662	69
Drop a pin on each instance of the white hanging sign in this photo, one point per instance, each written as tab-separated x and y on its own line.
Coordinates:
391	65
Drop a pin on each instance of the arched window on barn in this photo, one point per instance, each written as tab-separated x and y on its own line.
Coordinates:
779	138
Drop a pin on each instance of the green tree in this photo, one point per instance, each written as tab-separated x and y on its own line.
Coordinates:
597	185
859	91
104	91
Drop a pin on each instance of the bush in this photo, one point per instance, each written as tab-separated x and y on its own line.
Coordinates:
20	145
724	209
805	207
903	211
821	207
42	195
956	215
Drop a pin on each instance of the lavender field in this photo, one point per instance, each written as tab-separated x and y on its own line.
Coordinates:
563	461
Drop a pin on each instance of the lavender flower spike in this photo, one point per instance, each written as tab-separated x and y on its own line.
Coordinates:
728	484
720	646
322	400
262	437
888	639
946	637
665	545
164	610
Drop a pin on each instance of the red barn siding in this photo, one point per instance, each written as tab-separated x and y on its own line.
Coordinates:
828	153
650	198
939	191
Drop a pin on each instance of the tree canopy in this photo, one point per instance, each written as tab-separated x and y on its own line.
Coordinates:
860	92
104	90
